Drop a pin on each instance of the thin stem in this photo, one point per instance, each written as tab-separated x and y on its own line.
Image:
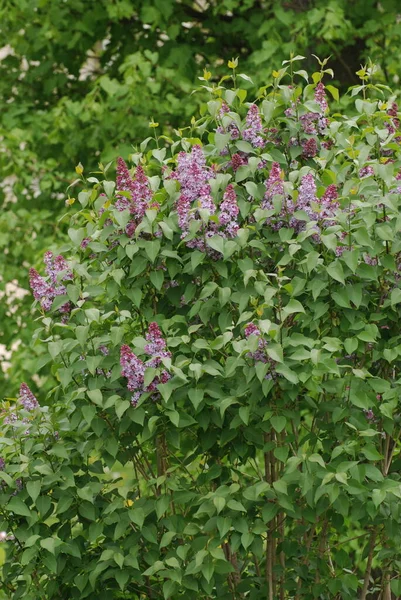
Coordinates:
372	542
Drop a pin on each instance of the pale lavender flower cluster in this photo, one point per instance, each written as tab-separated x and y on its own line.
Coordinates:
308	123
275	187
156	346
29	402
27	398
258	355
370	260
133	368
139	191
229	213
394	123
46	291
253	128
317	210
320	97
366	171
193	176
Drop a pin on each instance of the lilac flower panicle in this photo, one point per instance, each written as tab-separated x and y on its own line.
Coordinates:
251	329
42	290
138	188
320	97
133	368
309	148
258	355
274	185
27	398
253	128
307	195
366	171
237	161
229	212
193	176
134	371
45	292
308	123
156	346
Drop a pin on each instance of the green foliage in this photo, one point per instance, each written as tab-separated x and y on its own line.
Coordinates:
267	462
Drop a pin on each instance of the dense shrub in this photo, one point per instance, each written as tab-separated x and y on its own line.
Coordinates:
80	81
224	325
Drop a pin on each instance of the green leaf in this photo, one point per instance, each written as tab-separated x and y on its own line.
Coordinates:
294	306
335	270
18	507
33	488
278	423
208	290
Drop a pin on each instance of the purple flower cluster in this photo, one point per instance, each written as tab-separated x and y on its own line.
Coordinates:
366	171
253	128
394	122
308	123
138	190
317	210
320	97
229	213
275	187
133	368
259	355
309	148
193	176
46	291
237	161
156	346
27	398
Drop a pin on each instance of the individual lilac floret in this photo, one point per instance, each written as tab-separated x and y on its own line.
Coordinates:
229	212
254	127
27	398
138	188
104	349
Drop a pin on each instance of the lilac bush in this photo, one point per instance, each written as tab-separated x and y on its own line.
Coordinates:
226	418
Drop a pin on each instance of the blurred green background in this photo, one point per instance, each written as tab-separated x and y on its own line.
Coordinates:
81	79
